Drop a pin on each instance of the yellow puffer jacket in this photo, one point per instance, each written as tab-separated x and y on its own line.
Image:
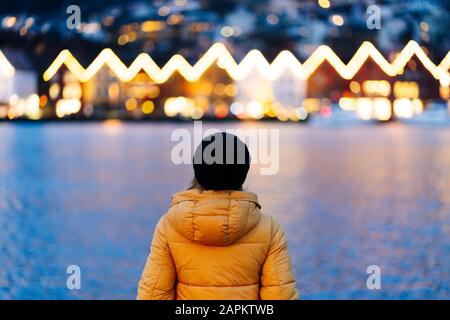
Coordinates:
217	245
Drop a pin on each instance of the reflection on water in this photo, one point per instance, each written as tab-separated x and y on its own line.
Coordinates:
90	195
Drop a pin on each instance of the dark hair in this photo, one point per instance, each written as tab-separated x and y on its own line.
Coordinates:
196	185
221	162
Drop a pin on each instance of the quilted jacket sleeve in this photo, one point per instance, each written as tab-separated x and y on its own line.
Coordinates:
278	279
158	279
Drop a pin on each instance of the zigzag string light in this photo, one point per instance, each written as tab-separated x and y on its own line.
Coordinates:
253	60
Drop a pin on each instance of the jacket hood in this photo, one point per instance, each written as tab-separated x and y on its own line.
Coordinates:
215	218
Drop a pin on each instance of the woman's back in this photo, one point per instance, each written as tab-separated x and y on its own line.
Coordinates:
217	245
214	243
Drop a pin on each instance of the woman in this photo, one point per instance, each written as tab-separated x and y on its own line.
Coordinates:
214	243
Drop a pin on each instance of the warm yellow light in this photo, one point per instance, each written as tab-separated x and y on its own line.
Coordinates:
255	110
253	61
221	110
114	92
347	104
3	112
197	113
364	108
417	105
382	109
13	100
403	108
54	90
131	104
203	103
23	31
69	78
292	114
231	90
355	87
153	92
282	114
377	87
271	112
132	36
32	110
112	126
406	89
337	20
219	89
66	107
227	31
122	40
187	109
443	67
152	26
148	107
311	105
72	91
424	26
324	3
9	22
175	19
444	79
444	92
179	105
43	101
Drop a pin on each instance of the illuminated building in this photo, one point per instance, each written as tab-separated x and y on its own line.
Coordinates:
278	97
18	87
375	96
276	85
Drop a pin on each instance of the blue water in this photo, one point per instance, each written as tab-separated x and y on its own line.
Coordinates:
348	196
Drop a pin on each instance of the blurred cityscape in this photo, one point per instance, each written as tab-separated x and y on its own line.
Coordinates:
194	59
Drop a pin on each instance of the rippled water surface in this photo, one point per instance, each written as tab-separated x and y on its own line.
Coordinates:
349	197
